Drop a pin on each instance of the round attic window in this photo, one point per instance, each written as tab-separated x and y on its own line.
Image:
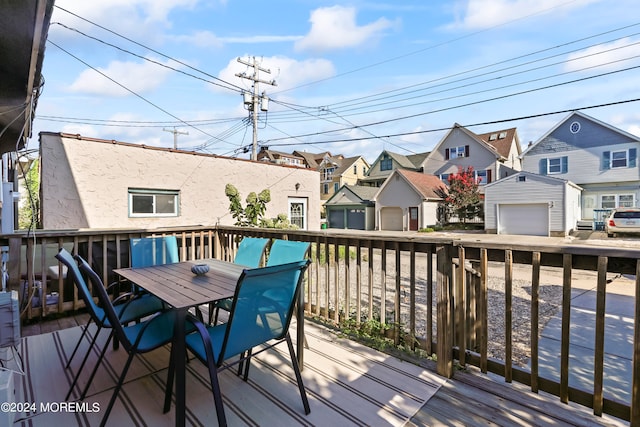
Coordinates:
575	127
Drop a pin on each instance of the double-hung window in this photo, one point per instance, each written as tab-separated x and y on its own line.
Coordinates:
481	177
554	165
618	159
152	202
386	164
455	152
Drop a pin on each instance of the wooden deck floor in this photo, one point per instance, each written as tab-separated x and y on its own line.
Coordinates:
469	399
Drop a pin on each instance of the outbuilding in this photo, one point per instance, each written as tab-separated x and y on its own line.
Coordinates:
352	207
531	204
408	200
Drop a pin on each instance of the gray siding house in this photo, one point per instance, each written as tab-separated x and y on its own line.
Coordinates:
596	156
491	159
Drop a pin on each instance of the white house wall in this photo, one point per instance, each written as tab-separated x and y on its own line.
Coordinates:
428	214
533	190
572	206
583	165
85	184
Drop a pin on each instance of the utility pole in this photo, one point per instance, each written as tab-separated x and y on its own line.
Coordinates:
254	99
175	133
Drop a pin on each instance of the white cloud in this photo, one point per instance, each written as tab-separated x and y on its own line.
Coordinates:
479	14
606	56
141	20
136	76
207	39
287	72
335	28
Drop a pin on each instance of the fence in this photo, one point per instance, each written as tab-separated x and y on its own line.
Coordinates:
468	302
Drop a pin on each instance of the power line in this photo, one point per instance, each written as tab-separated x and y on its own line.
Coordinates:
129	90
148	48
406	55
492	122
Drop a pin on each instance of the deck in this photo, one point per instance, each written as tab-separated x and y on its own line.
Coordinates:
347	383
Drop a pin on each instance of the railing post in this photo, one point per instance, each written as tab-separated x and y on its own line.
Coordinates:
444	350
635	378
460	307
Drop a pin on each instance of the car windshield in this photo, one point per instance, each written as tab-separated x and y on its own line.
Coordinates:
627	214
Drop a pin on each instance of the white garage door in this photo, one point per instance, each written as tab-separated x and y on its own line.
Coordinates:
531	219
391	219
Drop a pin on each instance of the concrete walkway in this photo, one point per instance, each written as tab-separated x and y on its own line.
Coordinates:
619	329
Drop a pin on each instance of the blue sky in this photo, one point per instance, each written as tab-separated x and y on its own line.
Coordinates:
352	78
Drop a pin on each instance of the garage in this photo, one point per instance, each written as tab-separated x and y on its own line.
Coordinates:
526	218
391	219
355	218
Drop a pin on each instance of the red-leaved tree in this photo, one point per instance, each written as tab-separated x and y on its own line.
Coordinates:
463	195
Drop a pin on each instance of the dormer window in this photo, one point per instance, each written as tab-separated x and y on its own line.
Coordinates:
493	137
386	164
502	135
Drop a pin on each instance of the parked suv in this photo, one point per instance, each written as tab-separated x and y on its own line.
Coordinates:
623	220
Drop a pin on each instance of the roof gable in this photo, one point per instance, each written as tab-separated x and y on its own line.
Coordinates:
579	131
427	186
352	194
459	134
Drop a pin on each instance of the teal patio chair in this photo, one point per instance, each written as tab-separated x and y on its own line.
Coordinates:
255	319
127	307
138	338
148	251
249	253
286	251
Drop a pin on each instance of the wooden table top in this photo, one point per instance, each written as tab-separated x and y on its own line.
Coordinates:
176	285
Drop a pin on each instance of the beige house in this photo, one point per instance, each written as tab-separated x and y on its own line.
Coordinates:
338	171
408	200
95	183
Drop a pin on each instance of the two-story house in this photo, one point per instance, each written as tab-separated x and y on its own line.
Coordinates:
387	162
338	171
280	158
492	155
598	157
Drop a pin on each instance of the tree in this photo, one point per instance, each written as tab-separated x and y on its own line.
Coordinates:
253	214
29	214
463	196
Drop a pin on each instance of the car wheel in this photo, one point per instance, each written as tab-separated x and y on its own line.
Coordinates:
609	234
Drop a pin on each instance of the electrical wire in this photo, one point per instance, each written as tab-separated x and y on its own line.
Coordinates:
148	48
492	122
132	92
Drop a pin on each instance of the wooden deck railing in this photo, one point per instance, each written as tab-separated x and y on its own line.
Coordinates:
433	291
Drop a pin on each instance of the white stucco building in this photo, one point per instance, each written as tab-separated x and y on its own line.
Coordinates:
95	183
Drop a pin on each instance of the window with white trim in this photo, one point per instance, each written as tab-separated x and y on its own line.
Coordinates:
554	166
626	201
152	202
612	201
619	159
298	212
455	152
481	177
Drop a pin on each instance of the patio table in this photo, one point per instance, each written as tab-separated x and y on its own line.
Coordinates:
177	286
